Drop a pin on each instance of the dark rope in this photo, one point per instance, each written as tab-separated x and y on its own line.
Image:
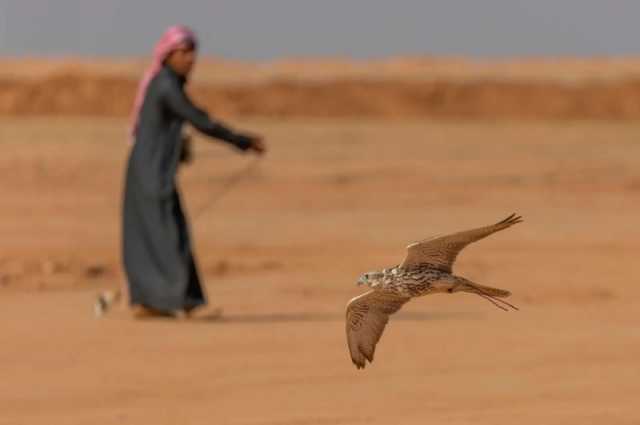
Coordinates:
225	187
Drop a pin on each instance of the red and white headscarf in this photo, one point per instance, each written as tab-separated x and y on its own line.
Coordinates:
173	38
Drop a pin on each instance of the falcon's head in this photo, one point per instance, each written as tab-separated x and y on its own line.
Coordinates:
371	279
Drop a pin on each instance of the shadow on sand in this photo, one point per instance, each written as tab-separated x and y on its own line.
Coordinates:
270	318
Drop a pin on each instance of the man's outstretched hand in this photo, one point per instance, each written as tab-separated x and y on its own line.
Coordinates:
257	144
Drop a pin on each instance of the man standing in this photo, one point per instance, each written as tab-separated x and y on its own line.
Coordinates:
158	258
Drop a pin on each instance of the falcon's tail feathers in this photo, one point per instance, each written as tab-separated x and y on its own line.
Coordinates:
488	290
492	295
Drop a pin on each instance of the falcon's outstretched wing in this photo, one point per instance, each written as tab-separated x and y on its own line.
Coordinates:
441	252
367	315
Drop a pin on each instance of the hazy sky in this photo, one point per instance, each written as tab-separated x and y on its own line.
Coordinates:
263	29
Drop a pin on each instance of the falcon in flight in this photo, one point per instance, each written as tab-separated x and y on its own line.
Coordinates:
427	269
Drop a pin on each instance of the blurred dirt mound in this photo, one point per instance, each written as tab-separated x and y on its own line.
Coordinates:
53	273
437	99
68	93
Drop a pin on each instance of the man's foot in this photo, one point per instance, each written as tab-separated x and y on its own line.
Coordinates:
189	312
142	312
212	314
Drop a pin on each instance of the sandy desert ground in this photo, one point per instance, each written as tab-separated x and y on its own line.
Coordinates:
365	157
281	252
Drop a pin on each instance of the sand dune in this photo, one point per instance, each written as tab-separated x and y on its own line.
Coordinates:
411	87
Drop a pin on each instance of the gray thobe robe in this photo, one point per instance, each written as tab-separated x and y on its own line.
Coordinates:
158	258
